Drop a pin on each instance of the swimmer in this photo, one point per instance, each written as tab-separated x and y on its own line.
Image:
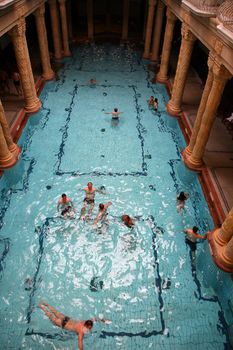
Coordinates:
127	220
191	237
89	198
115	113
180	201
66	206
80	327
155	104
92	82
151	101
102	214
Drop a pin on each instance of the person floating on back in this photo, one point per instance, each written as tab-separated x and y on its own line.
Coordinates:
191	238
89	199
115	113
65	207
80	327
127	220
180	201
102	214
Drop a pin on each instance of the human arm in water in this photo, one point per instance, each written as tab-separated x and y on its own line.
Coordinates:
196	235
80	341
102	212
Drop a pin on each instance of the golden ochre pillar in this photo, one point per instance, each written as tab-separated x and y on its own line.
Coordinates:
90	24
157	31
55	29
221	243
186	49
188	150
125	20
7	159
66	49
220	77
48	73
149	27
162	76
13	148
32	102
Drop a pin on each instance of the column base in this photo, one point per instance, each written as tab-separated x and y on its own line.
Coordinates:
173	111
146	56
49	76
8	162
162	80
217	252
15	150
58	57
33	108
188	161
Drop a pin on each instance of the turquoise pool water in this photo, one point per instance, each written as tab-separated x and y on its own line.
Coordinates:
141	279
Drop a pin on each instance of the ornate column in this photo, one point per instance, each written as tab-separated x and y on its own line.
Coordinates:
7	159
149	26
125	20
66	49
55	29
48	73
221	242
157	31
32	102
90	25
162	75
13	148
69	20
188	150
186	49
220	77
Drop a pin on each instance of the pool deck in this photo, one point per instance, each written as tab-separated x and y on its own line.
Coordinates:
216	178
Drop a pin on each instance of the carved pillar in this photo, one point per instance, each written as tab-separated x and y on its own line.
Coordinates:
162	75
32	102
69	19
13	148
66	49
90	24
55	29
7	159
157	31
188	150
221	242
149	26
186	49
48	73
220	77
125	20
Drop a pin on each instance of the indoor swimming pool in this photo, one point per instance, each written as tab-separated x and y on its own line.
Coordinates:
142	279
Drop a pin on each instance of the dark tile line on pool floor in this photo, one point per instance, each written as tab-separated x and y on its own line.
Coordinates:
65	128
42	233
6	243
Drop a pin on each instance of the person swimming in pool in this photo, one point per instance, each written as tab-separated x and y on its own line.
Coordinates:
102	214
151	102
180	201
115	113
80	327
127	220
92	82
65	207
89	198
191	238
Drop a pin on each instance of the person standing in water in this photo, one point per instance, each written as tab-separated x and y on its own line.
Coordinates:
115	113
89	198
80	327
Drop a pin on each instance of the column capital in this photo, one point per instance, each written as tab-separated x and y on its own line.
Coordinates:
220	72
62	2
20	28
186	32
170	16
40	11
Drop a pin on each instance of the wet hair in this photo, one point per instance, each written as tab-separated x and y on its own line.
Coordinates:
89	183
195	229
88	323
101	206
63	195
182	196
152	97
115	109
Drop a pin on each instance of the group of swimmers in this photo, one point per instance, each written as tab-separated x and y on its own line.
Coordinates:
153	103
67	210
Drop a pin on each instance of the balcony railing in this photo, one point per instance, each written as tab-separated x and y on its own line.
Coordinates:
204	8
225	16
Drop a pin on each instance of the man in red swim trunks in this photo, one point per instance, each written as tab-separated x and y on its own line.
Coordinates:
79	327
